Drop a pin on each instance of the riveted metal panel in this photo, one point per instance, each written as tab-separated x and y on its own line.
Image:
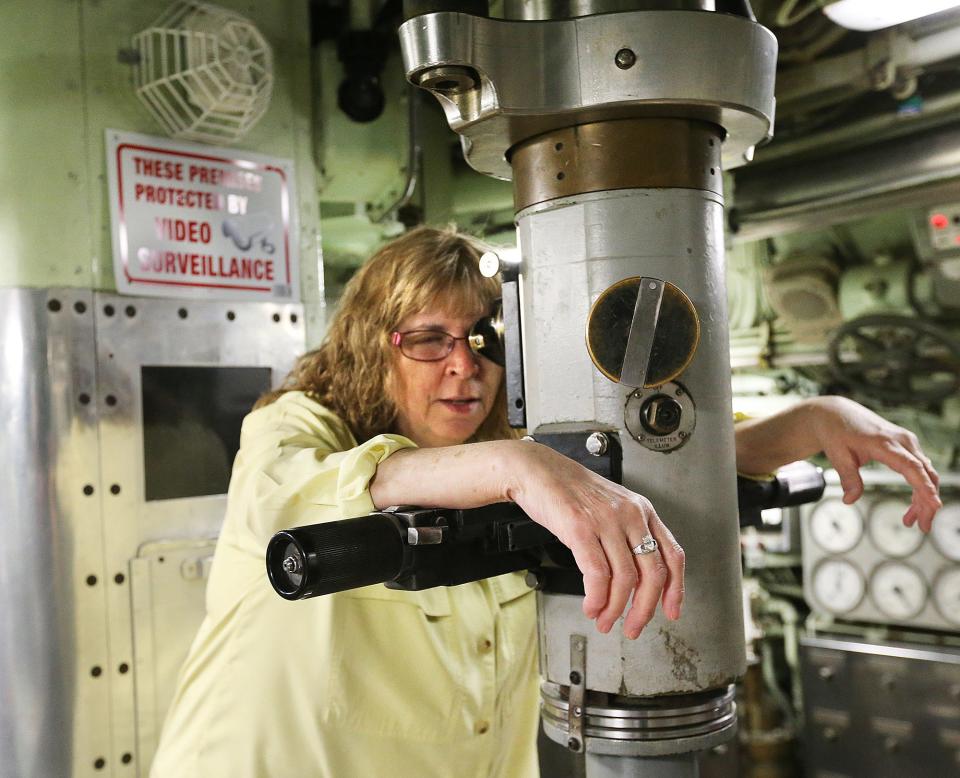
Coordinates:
132	333
55	716
878	708
78	527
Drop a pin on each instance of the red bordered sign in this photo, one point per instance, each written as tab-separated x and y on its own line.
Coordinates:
199	221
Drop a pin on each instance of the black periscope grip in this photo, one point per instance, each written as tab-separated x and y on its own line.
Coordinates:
334	556
794	484
470	545
467	545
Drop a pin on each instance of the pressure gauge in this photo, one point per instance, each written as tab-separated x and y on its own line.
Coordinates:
946	594
946	531
836	526
885	525
838	585
898	590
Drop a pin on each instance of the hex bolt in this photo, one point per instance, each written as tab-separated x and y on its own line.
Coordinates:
573	744
597	444
625	59
575	678
578	711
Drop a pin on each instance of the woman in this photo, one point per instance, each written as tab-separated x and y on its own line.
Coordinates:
376	682
394	408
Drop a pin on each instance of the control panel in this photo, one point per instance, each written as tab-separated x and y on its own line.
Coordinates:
860	563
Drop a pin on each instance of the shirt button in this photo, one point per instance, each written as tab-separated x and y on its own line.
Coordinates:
481	727
484	646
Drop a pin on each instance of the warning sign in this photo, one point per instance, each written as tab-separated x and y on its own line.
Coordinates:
201	221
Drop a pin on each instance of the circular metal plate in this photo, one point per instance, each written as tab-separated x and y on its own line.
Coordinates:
645	437
674	342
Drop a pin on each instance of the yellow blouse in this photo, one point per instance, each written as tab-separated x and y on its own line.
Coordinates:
361	684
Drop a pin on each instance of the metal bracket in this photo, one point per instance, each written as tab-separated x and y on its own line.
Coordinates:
643	328
578	688
513	348
424	536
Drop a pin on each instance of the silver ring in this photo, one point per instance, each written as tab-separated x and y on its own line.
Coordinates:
647	546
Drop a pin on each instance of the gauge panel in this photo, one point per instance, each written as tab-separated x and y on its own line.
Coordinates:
908	580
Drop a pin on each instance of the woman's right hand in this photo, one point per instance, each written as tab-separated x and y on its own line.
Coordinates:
600	522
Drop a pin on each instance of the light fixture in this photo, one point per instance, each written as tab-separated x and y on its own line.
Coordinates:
868	15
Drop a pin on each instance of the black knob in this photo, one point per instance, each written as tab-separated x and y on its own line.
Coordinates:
660	415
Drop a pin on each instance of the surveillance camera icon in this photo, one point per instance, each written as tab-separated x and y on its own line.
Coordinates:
250	230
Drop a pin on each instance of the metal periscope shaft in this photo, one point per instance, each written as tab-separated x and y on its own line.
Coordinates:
664	224
615	129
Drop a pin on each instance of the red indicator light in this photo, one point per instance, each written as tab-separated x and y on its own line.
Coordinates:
957	239
938	221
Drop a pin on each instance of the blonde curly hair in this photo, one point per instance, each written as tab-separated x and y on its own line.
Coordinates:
350	372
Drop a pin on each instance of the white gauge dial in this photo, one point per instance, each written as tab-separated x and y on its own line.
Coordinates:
885	525
835	526
946	594
898	590
838	585
946	531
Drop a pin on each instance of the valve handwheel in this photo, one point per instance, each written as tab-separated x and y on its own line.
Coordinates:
896	358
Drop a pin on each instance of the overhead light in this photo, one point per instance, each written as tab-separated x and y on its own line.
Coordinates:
868	15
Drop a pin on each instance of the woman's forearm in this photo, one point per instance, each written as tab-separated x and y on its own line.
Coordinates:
464	476
763	445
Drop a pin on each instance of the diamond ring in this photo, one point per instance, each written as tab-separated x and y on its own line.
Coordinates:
647	546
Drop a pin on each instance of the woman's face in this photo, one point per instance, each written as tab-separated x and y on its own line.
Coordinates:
443	403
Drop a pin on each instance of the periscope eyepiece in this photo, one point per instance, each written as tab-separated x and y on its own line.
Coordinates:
486	336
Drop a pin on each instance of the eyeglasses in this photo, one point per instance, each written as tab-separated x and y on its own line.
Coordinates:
431	345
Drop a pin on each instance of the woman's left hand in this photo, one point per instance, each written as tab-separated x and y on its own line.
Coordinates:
851	435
